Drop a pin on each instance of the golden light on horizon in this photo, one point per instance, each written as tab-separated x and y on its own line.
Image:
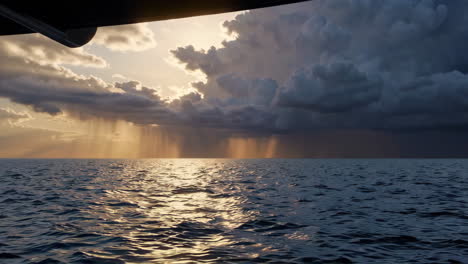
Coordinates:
248	147
107	139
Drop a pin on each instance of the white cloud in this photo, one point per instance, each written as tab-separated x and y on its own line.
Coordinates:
43	51
133	37
11	117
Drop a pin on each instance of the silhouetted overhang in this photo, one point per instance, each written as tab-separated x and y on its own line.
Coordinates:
26	16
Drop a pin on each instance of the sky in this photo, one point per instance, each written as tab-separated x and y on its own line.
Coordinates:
320	79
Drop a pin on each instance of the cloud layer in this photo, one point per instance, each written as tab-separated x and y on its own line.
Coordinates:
345	64
324	64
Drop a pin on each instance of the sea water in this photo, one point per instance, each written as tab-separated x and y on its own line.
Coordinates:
234	211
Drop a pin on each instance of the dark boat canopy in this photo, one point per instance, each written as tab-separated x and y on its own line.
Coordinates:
74	23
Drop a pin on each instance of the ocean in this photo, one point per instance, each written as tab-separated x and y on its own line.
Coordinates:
234	211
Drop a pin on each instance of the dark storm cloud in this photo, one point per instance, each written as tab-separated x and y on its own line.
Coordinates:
346	64
324	64
337	87
84	98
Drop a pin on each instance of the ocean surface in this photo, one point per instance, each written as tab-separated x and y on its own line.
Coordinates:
234	211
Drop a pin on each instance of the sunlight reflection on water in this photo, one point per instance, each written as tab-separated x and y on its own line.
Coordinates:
181	203
191	211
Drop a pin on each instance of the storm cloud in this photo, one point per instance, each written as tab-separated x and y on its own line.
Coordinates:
323	64
345	64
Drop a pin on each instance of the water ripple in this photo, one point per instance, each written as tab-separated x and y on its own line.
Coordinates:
233	211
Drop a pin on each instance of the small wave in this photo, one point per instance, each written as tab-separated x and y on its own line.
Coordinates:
397	191
381	183
443	214
10	191
7	255
9	200
244	243
15	175
86	235
325	187
114	239
303	200
37	202
265	226
452	243
195	229
69	211
55	233
56	245
403	239
122	204
222	195
190	190
84	258
366	190
341	213
199	257
340	260
454	261
423	183
49	261
51	198
116	167
205	210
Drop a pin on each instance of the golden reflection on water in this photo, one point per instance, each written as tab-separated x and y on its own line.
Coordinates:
174	209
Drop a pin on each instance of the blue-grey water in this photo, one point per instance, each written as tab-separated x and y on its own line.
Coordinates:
233	211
